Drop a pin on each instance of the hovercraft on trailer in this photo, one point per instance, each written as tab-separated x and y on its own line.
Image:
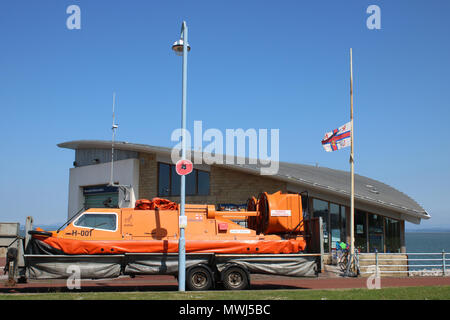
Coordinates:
109	242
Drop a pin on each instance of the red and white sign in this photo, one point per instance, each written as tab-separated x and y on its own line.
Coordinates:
184	167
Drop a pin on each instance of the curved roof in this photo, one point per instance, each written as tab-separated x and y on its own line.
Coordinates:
329	180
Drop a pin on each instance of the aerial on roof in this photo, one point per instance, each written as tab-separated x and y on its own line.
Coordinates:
329	180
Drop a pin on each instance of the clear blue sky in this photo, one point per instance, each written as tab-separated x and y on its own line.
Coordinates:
253	64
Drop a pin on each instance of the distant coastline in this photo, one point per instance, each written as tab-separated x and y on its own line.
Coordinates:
429	230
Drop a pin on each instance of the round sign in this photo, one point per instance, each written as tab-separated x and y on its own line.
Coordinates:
184	167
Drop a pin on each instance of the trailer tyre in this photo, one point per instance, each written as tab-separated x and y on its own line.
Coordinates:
235	278
199	279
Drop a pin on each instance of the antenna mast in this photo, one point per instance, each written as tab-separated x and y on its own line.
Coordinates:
114	127
126	189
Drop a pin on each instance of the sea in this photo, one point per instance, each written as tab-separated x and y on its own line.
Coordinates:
428	242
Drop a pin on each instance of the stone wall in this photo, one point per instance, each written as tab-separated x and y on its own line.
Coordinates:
399	260
226	185
231	186
148	176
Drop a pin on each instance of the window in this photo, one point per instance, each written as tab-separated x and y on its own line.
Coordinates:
334	222
320	208
191	183
376	238
337	224
163	179
344	223
175	181
169	182
101	196
203	183
392	231
360	230
372	231
103	221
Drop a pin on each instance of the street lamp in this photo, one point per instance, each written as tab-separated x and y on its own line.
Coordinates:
181	48
178	47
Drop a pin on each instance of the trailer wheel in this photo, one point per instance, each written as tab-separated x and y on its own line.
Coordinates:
235	278
199	279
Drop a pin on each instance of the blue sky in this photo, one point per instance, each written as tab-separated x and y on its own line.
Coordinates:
253	64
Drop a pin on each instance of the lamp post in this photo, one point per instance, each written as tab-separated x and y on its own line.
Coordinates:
181	48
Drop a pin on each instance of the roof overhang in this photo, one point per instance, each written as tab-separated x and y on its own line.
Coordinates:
406	206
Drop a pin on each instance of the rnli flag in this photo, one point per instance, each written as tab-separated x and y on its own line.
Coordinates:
338	138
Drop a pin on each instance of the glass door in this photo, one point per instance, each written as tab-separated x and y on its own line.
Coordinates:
320	208
376	233
335	224
360	231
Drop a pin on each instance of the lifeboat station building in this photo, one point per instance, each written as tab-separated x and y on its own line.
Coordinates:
145	172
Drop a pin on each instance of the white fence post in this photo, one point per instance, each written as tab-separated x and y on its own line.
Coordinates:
443	263
376	263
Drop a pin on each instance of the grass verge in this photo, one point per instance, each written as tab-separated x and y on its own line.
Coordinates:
398	293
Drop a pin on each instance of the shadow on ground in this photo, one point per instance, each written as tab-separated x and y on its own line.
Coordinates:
129	288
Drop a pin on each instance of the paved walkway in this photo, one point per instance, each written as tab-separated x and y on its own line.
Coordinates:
329	279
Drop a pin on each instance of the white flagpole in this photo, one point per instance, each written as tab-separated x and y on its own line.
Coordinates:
352	197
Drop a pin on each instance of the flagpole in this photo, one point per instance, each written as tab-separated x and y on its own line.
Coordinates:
352	196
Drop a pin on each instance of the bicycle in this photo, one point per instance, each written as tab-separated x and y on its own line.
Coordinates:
342	255
347	266
343	259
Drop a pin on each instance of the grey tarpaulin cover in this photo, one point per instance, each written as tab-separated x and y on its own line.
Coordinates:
45	262
287	265
110	266
162	263
61	267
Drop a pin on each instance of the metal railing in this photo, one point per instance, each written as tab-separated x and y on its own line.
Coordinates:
432	264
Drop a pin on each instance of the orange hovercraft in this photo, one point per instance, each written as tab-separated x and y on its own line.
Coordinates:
275	226
110	242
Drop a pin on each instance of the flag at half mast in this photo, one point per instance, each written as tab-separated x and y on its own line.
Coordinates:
338	138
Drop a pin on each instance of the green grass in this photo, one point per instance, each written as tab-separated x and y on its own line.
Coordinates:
399	293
